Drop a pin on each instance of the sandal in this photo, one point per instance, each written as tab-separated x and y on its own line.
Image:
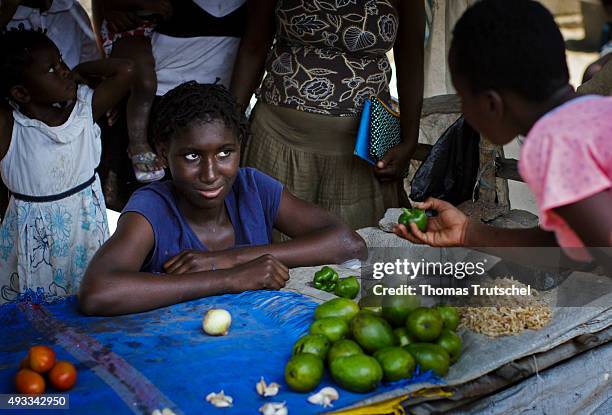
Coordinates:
144	176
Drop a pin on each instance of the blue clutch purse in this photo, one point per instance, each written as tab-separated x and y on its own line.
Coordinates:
379	130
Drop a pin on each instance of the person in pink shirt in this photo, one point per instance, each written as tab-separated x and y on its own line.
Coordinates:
508	65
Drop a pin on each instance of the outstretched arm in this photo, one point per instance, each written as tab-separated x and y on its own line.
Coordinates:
452	228
318	238
116	75
254	47
113	283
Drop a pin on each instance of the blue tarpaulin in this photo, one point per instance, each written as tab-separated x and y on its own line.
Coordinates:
162	358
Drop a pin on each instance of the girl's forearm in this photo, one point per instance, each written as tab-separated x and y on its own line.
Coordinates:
131	292
330	246
481	235
104	68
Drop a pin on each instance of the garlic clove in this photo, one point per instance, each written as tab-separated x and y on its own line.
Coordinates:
330	392
316	399
274	408
167	411
272	389
324	397
261	386
220	400
156	412
266	390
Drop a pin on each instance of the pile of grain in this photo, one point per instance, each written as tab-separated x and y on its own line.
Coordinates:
506	315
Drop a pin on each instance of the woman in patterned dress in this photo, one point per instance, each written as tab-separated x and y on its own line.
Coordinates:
327	58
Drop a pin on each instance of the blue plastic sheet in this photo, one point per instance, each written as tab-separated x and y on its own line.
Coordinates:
162	358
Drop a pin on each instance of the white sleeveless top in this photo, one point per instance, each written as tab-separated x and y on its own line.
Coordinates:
45	161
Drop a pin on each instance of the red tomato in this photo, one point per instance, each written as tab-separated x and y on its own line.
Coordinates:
42	358
63	375
30	382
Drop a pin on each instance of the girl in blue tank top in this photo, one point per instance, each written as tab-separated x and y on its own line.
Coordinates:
207	231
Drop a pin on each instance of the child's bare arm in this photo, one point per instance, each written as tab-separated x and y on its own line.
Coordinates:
113	283
116	77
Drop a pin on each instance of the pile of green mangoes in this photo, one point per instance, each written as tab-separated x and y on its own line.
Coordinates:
362	346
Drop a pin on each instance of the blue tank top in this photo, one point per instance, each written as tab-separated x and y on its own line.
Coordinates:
252	205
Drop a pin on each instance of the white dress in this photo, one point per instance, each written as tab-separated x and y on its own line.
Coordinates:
48	244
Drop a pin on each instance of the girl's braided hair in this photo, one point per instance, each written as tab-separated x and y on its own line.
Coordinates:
191	103
16	45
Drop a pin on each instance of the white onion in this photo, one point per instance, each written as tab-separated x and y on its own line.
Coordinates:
217	322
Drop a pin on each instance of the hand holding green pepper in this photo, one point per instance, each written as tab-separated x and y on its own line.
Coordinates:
326	279
416	216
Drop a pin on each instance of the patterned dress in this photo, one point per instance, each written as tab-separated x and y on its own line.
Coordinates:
329	56
48	244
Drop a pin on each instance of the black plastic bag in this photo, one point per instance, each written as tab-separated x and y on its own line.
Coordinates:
450	170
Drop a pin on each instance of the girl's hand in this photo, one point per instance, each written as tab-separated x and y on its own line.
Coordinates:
394	163
263	273
447	229
190	261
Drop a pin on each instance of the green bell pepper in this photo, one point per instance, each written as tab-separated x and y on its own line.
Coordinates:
347	287
325	279
416	216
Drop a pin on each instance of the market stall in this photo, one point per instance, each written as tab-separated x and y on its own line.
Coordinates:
162	358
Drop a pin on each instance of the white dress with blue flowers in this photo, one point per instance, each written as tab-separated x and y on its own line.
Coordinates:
48	244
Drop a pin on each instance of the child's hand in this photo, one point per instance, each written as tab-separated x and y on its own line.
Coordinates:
263	273
190	261
447	229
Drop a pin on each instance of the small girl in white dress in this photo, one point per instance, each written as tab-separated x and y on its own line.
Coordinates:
49	150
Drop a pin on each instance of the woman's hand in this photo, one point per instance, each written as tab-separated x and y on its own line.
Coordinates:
447	229
395	162
190	261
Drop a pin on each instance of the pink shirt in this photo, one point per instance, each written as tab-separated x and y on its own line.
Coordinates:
567	157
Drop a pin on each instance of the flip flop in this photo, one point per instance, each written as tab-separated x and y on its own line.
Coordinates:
146	176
